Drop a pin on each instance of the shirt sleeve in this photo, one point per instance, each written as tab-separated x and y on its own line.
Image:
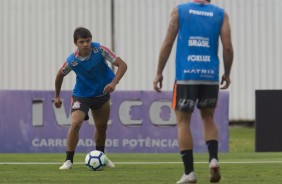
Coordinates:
108	54
65	68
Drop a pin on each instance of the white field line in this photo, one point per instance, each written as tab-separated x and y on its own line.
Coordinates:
143	163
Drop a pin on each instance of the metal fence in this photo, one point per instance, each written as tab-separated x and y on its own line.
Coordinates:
36	37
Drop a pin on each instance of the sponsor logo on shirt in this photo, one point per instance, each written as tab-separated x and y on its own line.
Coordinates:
201	13
199	58
199	42
199	71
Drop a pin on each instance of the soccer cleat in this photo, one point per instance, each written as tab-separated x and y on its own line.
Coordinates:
214	171
110	164
66	165
188	178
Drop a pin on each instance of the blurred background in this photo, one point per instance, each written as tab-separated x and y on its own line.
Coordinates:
36	37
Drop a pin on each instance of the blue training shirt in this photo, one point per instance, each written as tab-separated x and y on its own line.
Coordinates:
197	42
92	74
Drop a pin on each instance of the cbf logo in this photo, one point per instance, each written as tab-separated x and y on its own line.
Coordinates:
95	50
74	63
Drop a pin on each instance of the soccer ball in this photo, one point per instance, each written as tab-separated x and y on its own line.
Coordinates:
95	160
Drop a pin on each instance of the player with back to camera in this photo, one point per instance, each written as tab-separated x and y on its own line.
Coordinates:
94	82
198	25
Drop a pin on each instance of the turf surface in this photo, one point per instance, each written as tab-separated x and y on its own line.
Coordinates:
241	165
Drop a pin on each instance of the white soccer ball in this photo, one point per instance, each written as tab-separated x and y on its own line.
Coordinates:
95	160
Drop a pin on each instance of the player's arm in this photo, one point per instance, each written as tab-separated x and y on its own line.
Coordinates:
225	36
63	71
122	67
166	48
116	61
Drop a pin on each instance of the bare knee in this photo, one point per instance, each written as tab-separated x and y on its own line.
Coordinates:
207	115
75	126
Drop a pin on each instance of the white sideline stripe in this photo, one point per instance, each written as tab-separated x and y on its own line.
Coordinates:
145	163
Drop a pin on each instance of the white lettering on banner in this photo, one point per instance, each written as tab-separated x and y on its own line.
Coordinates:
63	143
49	142
85	143
149	142
60	114
112	143
124	112
156	109
199	58
37	112
202	13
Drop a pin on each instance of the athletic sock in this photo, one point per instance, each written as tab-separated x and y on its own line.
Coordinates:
100	148
213	149
188	160
69	155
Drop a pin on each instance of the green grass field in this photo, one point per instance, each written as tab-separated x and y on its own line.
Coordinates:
240	165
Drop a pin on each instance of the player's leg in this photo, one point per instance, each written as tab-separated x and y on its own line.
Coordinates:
101	118
210	132
77	118
183	103
78	114
183	130
185	142
207	103
211	138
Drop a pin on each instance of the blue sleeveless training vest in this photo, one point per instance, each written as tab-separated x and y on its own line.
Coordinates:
197	42
92	75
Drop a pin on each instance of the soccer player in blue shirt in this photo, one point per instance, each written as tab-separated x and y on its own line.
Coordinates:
94	82
198	25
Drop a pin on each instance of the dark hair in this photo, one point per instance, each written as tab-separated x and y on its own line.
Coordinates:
81	32
208	1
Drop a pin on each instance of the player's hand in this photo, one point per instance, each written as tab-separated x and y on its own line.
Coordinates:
110	87
158	83
225	81
58	102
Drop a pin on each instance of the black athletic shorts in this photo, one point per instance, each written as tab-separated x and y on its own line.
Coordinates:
186	96
84	104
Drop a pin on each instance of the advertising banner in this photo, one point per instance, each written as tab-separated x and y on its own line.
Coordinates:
140	122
